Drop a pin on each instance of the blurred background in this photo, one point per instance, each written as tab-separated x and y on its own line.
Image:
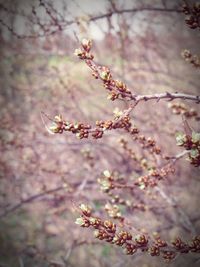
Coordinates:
43	175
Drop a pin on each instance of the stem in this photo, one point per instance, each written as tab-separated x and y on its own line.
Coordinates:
167	95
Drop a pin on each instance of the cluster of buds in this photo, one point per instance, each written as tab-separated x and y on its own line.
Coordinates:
154	251
122	87
109	182
122	120
84	51
192	144
116	199
105	125
58	125
131	153
121	238
194	245
117	123
180	245
153	176
141	241
116	88
182	109
105	75
160	246
113	96
168	255
102	234
192	59
192	15
97	133
79	129
86	220
106	181
148	143
130	249
113	211
123	123
158	242
108	231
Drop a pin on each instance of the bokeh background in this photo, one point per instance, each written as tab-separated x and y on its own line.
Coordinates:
44	176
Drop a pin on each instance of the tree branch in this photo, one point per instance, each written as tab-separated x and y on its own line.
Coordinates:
134	10
168	96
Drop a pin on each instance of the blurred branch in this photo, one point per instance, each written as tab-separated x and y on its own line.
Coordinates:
39	195
184	218
134	10
32	198
58	23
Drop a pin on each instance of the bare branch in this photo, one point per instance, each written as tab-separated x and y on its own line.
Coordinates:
168	96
